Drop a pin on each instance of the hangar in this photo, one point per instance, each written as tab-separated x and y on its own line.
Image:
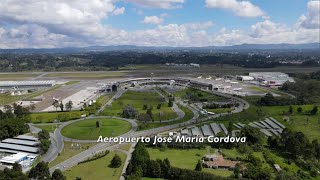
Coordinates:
24	85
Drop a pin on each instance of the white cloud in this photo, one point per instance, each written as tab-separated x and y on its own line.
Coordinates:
58	23
311	20
163	4
152	20
118	11
239	8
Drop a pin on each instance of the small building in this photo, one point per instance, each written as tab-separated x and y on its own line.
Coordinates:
217	161
245	78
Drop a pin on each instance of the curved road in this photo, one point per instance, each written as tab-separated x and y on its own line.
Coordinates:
108	146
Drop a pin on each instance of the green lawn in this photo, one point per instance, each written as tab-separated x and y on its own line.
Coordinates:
69	151
138	99
309	125
88	75
87	130
186	158
199	95
103	99
17	76
47	117
97	169
188	116
48	127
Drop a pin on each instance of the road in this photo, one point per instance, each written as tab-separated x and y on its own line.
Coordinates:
107	146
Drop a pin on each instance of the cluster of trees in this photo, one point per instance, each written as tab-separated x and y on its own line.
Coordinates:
142	166
45	142
116	161
298	149
216	106
300	110
129	112
92	108
270	100
13	121
306	91
109	58
56	104
41	171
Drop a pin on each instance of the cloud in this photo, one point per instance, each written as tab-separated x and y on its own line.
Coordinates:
311	20
152	20
162	4
58	23
239	8
118	11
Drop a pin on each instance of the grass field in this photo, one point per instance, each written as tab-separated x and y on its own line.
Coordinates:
97	169
103	99
138	99
86	129
48	117
188	116
69	151
88	75
17	76
309	125
186	159
200	95
48	127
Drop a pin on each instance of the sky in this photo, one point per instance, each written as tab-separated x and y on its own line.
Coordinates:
176	23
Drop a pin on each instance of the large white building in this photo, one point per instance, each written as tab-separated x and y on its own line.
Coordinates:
271	79
26	84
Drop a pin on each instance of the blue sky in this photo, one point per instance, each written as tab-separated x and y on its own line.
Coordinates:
63	23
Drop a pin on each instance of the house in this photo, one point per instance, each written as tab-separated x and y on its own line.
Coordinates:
218	161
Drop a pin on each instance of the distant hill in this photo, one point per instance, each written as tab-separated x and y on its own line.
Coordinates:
244	47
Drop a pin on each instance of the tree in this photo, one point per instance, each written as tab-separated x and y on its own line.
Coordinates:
61	105
198	166
63	117
314	110
290	111
159	106
144	118
116	161
149	112
56	104
69	105
299	110
145	107
40	171
170	103
57	175
97	124
129	112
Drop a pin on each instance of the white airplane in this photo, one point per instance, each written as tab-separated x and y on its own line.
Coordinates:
209	77
199	77
56	99
218	79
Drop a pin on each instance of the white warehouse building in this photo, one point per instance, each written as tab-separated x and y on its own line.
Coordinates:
5	85
271	79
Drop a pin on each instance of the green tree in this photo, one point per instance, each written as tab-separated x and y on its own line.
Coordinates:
116	161
314	110
149	112
61	106
69	105
290	111
299	110
56	104
57	175
198	166
97	124
40	171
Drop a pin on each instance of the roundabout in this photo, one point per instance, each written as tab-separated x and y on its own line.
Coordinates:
91	129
